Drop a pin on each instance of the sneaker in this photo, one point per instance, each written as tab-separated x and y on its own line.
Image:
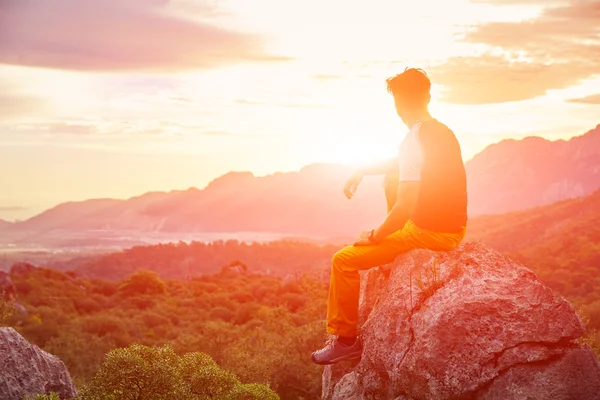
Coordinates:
334	352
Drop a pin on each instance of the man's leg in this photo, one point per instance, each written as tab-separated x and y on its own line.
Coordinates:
344	286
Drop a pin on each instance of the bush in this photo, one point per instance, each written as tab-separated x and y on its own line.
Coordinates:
51	396
144	373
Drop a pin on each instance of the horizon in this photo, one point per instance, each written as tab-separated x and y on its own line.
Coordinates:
102	99
33	213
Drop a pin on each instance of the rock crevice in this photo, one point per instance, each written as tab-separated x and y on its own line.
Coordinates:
467	324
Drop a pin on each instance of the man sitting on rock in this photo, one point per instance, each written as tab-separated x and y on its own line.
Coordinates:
426	194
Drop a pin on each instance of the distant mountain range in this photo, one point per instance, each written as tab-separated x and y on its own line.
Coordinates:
561	242
507	176
518	174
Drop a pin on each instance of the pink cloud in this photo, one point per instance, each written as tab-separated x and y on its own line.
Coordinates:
107	35
562	45
593	99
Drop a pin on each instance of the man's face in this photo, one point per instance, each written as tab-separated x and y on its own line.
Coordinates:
406	109
401	109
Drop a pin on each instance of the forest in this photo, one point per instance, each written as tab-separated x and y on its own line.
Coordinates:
260	328
258	316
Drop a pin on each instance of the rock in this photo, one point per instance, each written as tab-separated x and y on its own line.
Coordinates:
576	372
466	324
26	369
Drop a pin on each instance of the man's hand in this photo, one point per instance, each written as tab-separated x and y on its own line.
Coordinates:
352	184
363	239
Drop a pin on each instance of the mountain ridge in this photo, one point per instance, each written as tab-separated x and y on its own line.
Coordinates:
504	177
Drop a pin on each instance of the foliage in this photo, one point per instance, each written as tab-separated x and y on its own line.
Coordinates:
260	328
51	396
145	373
142	282
185	260
260	319
7	311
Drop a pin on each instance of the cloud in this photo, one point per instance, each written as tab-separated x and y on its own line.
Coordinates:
593	99
111	128
274	104
55	128
494	79
108	35
326	76
558	49
12	208
14	104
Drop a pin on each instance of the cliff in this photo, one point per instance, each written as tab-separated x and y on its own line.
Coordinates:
467	324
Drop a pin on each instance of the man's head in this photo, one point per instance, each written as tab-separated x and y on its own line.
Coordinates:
411	92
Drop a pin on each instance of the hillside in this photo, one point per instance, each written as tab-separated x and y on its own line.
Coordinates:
506	176
561	242
519	174
183	261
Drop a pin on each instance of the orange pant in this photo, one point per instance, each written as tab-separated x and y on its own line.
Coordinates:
344	286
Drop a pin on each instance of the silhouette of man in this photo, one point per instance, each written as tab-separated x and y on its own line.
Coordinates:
426	193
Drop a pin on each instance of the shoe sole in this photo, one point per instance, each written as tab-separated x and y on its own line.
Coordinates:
352	356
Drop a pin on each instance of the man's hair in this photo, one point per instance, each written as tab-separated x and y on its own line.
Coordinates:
411	86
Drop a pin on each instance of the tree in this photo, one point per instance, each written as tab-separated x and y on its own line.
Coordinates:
136	373
145	373
142	282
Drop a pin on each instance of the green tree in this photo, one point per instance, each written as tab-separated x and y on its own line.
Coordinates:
136	373
145	373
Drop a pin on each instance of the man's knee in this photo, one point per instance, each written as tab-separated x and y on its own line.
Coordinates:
342	260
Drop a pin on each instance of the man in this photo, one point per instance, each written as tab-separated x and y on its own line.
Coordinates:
427	208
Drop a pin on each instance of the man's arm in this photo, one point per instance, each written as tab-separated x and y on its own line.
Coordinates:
382	167
408	193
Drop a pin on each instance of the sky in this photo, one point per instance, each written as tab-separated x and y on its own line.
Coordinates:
115	98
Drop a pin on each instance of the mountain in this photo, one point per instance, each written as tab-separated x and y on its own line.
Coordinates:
4	224
308	202
567	220
560	242
518	174
507	176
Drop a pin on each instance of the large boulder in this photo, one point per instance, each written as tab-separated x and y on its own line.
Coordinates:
466	324
25	370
